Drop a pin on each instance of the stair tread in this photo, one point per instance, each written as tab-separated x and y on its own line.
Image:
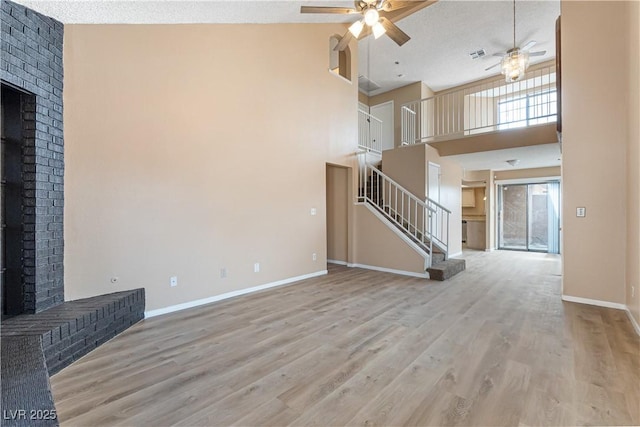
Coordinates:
446	269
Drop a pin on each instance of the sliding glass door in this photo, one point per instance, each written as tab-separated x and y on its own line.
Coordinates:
529	217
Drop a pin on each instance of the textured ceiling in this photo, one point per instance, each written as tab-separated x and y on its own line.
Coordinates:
184	11
442	35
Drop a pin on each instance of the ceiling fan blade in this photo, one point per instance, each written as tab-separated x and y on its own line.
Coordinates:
395	33
390	5
323	9
493	66
529	45
344	41
540	53
499	55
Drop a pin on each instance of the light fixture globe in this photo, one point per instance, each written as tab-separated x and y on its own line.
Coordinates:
371	16
356	28
378	30
514	64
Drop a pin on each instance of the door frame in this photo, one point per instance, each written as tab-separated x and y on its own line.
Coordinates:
392	123
499	211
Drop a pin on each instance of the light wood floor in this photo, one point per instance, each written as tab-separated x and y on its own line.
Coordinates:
493	346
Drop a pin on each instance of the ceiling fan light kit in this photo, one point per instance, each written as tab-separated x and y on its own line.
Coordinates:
515	61
373	13
378	30
356	28
371	16
514	65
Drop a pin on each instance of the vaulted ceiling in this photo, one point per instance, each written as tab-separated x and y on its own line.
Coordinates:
442	35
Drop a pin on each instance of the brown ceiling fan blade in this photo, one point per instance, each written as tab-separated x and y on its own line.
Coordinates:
344	41
395	33
323	9
493	66
390	5
539	53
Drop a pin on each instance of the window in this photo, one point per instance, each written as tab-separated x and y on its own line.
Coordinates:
528	110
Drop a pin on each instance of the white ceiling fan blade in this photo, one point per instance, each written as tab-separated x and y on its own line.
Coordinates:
493	66
499	55
539	53
529	45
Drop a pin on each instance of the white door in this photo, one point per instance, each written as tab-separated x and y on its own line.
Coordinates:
434	182
385	113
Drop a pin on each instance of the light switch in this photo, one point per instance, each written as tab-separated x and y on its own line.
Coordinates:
313	211
581	212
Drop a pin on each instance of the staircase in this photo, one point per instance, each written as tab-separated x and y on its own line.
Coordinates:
424	223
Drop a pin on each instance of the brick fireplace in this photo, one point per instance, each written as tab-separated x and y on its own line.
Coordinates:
32	77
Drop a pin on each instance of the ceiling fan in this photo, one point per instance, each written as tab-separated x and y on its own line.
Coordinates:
515	60
372	14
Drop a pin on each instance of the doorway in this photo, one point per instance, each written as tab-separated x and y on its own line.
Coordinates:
384	112
337	214
529	217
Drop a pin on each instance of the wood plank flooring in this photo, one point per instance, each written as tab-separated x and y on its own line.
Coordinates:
494	346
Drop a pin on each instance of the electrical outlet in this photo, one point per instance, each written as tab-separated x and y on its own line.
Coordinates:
174	281
633	291
581	212
256	267
314	257
223	273
313	211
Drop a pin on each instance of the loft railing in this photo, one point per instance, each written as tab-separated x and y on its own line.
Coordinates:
426	223
486	107
369	132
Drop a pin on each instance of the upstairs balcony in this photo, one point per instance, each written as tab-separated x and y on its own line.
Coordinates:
492	106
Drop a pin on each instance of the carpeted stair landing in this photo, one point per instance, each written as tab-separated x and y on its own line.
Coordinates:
445	269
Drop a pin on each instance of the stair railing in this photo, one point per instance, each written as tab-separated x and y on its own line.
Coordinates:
369	132
439	230
424	222
490	106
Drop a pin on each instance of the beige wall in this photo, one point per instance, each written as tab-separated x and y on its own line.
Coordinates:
185	155
363	98
408	166
595	143
337	213
553	171
633	165
400	96
512	138
378	245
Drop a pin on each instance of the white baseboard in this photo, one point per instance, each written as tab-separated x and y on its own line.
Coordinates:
209	300
599	303
606	304
335	261
635	324
391	270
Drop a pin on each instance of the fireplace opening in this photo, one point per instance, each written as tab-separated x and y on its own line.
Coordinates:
16	123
